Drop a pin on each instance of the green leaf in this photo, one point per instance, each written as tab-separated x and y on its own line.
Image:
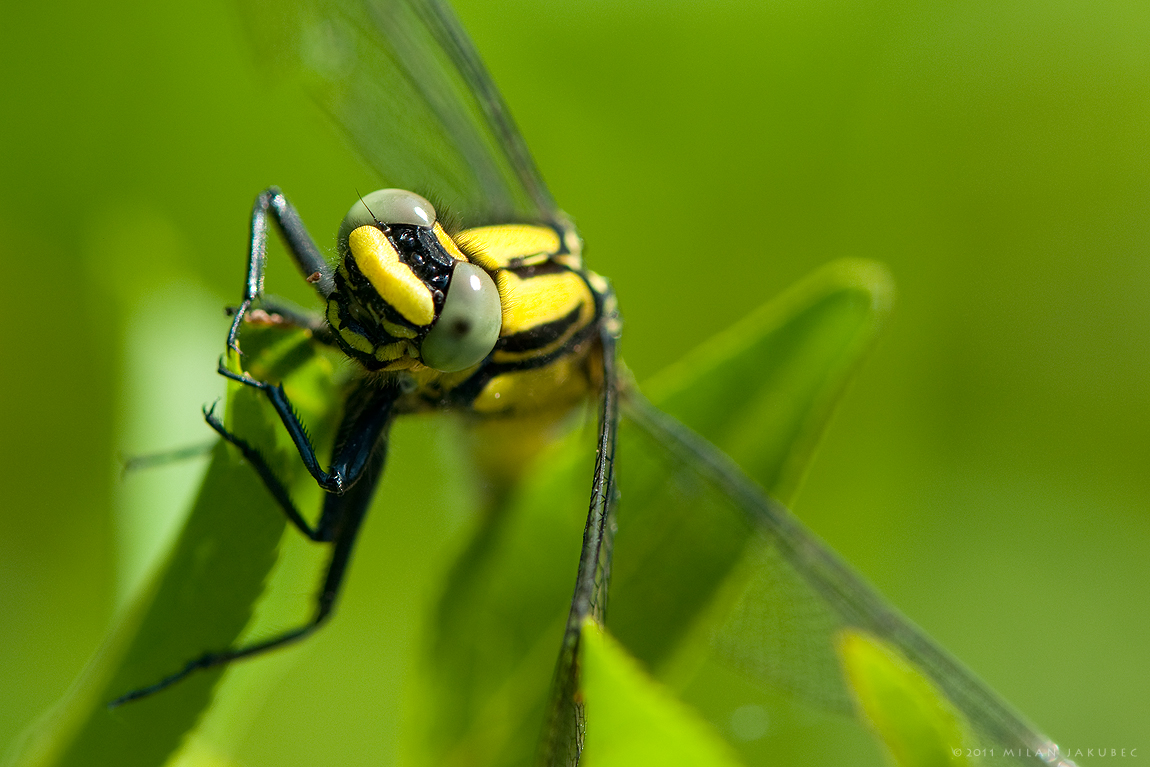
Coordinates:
496	631
497	628
763	391
197	753
202	595
907	712
632	720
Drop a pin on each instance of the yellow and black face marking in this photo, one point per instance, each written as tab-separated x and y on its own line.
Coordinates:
509	305
389	308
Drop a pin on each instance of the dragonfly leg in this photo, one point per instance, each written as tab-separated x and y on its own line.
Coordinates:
271	204
332	481
276	487
367	418
349	510
285	315
360	453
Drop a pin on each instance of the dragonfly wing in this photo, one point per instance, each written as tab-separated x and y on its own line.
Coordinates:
563	734
404	82
786	609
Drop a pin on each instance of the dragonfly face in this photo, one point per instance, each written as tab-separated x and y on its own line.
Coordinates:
498	319
404	295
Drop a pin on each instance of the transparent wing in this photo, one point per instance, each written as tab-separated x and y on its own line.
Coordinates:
717	590
709	567
562	737
404	82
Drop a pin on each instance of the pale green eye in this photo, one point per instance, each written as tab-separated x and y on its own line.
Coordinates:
387	206
468	326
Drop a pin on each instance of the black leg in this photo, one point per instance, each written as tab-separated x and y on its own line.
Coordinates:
360	445
282	313
272	203
368	414
329	481
356	437
270	480
349	509
360	453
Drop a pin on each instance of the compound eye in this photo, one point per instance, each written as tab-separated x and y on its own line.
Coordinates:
468	326
387	206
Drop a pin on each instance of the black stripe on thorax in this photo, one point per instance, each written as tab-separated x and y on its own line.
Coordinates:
466	392
540	335
516	267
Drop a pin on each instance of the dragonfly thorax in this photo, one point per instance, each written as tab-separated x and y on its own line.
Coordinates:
405	295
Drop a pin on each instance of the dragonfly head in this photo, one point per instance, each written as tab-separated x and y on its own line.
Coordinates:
405	294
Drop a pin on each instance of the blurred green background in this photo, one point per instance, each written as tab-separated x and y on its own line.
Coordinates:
988	472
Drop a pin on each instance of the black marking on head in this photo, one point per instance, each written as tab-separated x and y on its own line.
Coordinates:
357	288
419	248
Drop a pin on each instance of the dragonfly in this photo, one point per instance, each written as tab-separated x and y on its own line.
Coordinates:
499	317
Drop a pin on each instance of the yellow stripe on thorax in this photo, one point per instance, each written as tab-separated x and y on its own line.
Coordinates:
391	278
495	247
539	299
